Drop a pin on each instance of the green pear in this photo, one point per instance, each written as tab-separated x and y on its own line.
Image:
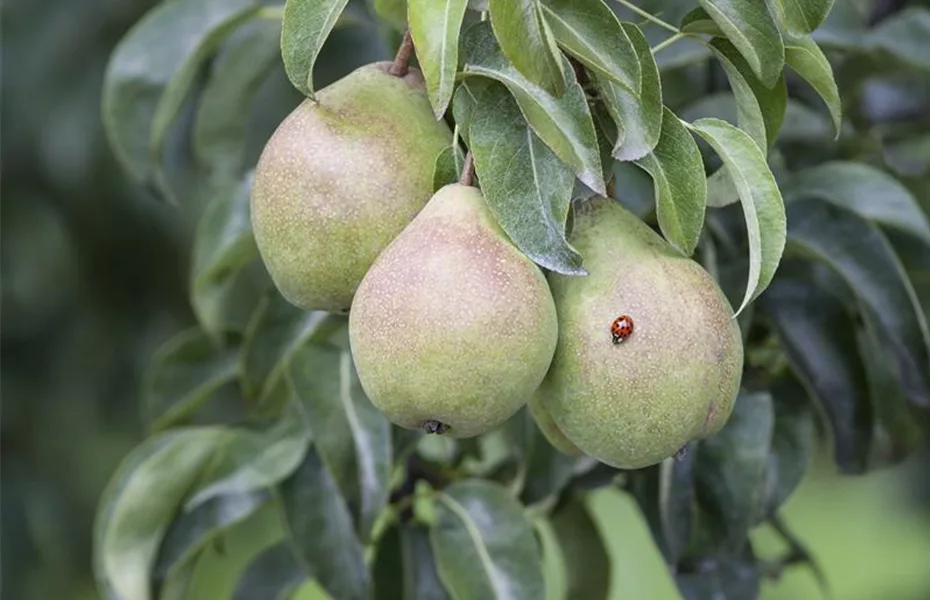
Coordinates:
548	426
671	373
453	328
338	180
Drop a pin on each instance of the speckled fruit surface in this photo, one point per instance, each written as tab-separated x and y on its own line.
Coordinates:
674	379
452	324
339	179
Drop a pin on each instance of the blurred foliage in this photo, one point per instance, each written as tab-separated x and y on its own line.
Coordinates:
96	277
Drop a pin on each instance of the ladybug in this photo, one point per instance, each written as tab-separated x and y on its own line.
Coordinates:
621	328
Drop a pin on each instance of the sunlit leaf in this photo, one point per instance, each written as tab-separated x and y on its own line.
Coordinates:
526	186
748	24
762	203
677	172
435	26
563	123
805	58
590	31
526	40
801	16
304	29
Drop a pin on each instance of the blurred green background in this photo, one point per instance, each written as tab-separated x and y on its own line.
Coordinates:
94	278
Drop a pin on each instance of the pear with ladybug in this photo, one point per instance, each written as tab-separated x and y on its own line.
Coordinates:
453	328
649	356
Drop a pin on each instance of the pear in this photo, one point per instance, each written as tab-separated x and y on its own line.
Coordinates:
339	179
453	328
632	391
547	425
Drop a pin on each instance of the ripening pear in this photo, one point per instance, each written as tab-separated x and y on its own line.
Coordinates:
453	328
340	177
547	426
649	356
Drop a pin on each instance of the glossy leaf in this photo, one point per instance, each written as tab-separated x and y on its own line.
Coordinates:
320	527
351	436
676	502
760	109
435	27
147	79
801	16
226	286
563	123
819	337
904	35
272	575
724	577
762	203
793	440
872	270
590	31
253	461
587	562
229	94
677	172
304	29
132	520
191	531
277	330
805	58
869	192
449	165
748	24
525	184
638	118
526	40
731	467
484	545
421	579
183	375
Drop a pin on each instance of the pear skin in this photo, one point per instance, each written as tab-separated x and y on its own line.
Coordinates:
453	328
633	393
339	179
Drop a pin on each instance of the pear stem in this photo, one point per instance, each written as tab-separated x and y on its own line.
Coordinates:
468	171
402	58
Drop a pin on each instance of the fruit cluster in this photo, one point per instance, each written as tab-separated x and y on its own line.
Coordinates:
451	327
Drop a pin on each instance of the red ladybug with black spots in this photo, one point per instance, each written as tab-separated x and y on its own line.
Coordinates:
621	328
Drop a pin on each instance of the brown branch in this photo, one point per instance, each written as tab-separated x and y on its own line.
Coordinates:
468	171
402	58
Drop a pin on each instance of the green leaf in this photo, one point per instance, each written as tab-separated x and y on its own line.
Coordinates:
587	563
421	579
793	440
352	436
676	502
819	337
806	59
748	24
394	12
221	125
464	102
435	26
723	577
760	109
862	256
320	527
865	190
763	207
254	460
563	123
147	80
526	186
638	118
272	575
139	503
680	187
183	374
905	36
543	471
484	545
226	284
277	330
525	39
192	531
304	29
590	31
801	16
731	467
449	165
